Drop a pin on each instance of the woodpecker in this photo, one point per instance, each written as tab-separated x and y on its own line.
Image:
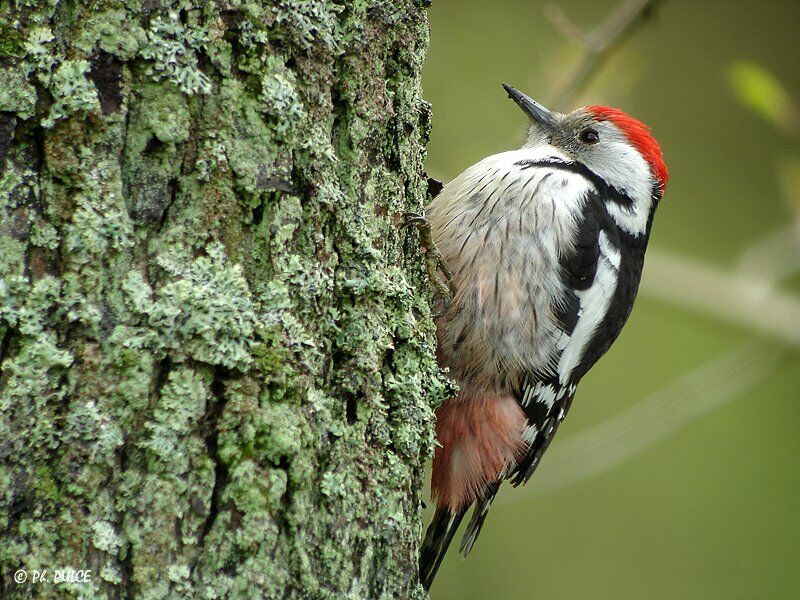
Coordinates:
545	247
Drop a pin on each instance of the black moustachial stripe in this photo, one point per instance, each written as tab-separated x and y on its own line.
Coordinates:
607	191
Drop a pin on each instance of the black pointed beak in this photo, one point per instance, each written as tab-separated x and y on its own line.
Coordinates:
538	113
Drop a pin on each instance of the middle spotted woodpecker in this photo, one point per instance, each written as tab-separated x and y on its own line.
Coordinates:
545	247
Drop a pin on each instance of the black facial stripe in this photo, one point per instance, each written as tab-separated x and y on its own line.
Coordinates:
608	191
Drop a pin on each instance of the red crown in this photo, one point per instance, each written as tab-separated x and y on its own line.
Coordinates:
639	135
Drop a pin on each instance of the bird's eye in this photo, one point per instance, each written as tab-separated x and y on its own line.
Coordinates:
589	136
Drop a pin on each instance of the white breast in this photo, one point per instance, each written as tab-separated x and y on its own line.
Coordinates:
502	229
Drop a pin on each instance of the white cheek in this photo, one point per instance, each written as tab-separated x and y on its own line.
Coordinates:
632	221
628	172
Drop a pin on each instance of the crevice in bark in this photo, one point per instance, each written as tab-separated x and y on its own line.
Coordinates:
153	147
5	343
172	192
215	408
220	480
122	158
22	501
106	74
126	572
8	123
351	409
38	138
126	563
258	214
161	377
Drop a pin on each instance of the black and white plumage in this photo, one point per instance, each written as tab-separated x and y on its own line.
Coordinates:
546	245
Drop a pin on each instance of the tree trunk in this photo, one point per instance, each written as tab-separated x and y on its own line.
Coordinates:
217	371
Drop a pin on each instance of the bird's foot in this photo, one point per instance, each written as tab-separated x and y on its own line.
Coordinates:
434	261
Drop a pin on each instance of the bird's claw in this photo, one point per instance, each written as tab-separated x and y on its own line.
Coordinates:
434	261
414	219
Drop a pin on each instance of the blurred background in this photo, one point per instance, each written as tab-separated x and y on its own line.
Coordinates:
677	473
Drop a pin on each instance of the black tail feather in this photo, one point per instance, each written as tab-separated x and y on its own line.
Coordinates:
478	517
437	540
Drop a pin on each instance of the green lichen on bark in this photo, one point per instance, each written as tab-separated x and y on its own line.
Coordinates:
217	356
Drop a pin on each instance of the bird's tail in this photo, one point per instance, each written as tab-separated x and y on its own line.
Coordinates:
442	530
437	540
482	507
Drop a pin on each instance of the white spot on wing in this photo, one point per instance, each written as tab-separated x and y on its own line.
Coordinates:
528	395
545	394
530	433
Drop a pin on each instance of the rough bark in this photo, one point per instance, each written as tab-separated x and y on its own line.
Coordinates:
217	355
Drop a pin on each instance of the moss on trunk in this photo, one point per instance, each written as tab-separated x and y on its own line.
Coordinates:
217	356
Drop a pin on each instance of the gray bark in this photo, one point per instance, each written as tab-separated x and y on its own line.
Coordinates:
218	362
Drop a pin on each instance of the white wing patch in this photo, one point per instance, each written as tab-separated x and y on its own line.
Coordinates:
594	304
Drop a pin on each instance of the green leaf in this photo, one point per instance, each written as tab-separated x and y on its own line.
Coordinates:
761	92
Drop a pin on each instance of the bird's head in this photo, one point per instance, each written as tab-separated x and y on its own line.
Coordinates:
613	145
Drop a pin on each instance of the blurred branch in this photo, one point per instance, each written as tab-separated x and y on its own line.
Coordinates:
653	419
774	258
597	44
742	299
